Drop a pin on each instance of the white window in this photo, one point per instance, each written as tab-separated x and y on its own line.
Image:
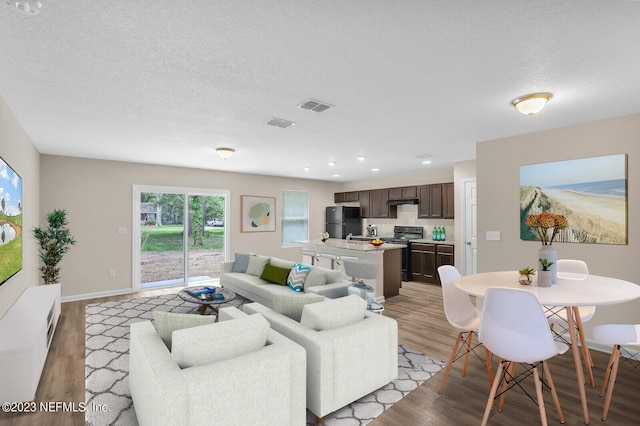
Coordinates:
294	217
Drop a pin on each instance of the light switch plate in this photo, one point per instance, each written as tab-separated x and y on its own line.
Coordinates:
493	235
122	230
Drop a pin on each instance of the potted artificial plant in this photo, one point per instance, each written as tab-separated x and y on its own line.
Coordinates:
544	276
525	275
54	242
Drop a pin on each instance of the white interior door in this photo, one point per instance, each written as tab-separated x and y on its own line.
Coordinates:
470	231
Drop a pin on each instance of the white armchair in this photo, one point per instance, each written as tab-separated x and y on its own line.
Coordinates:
264	385
350	352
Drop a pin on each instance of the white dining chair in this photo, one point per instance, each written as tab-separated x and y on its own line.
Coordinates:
618	335
465	317
514	327
557	316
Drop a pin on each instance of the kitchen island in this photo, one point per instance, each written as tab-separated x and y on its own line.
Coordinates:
329	254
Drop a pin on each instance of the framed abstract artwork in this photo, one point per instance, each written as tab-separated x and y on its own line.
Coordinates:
258	213
590	192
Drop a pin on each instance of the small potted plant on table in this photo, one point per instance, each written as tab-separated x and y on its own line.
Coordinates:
525	275
544	276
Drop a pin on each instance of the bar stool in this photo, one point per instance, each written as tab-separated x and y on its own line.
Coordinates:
361	270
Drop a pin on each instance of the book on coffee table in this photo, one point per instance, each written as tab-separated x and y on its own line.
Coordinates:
206	293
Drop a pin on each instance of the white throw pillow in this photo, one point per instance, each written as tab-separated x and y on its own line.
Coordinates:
256	265
291	305
217	342
334	313
168	322
315	278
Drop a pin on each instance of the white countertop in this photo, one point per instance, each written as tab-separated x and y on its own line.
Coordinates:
353	245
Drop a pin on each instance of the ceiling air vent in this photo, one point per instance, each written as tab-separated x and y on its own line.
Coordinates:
314	105
280	122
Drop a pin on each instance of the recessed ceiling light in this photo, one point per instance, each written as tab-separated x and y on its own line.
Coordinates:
426	162
306	169
336	175
375	170
361	158
332	163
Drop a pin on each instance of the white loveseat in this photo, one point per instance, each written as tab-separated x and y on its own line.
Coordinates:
350	352
325	282
261	386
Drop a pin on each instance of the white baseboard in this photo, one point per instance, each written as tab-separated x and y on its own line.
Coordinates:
96	295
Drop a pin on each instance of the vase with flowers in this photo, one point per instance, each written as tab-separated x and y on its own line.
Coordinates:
547	226
324	236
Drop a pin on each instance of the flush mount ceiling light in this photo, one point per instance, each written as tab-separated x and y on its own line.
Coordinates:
225	152
26	7
532	103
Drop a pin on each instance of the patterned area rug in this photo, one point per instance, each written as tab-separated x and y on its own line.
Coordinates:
107	365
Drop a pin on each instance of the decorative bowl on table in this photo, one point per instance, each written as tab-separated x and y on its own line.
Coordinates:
377	243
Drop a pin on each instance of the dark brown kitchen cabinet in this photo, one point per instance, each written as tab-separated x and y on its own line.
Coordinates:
436	201
403	193
364	199
444	256
423	262
430	201
448	199
378	207
345	197
427	258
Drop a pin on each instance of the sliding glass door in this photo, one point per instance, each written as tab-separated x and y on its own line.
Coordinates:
181	236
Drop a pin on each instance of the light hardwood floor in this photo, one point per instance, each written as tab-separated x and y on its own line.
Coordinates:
422	326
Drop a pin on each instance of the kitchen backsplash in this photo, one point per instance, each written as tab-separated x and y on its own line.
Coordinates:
408	216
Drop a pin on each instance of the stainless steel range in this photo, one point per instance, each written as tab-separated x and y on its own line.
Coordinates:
404	235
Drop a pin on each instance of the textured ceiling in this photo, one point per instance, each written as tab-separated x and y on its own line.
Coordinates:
166	82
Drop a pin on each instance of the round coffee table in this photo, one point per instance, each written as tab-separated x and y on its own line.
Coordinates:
207	297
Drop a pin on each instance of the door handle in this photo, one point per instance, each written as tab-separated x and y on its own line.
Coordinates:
468	243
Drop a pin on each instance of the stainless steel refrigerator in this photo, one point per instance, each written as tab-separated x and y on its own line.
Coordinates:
341	221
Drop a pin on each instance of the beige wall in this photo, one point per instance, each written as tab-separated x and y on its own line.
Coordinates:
98	198
18	151
498	168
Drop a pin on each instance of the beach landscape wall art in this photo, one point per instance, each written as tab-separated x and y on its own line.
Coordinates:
590	192
10	222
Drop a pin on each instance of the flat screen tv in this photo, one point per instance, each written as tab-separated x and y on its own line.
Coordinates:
10	222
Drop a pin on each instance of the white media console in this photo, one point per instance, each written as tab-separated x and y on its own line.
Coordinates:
26	331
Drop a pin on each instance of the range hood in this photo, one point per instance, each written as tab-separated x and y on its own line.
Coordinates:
403	201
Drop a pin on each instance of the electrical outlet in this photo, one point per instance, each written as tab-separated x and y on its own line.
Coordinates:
112	273
493	235
122	230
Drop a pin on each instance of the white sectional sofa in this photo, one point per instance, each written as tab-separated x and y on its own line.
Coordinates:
320	281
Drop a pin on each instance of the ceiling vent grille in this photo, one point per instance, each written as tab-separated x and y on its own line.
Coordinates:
280	122
314	105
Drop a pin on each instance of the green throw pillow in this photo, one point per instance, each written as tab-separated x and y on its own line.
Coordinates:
275	275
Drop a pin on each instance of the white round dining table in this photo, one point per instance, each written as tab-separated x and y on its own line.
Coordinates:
571	291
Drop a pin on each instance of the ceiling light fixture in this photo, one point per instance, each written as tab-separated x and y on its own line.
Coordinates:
361	158
26	7
532	103
332	163
225	152
375	170
306	169
426	162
